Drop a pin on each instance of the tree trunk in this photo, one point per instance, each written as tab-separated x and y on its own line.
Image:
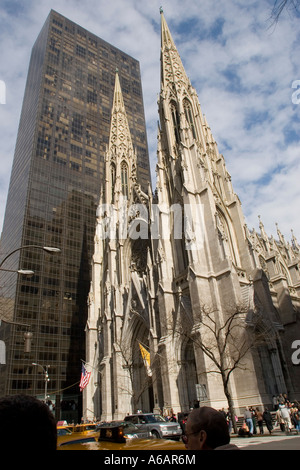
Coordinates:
230	403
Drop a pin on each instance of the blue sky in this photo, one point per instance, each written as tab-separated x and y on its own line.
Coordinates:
241	66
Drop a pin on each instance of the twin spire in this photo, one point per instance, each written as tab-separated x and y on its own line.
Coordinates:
120	137
172	70
118	96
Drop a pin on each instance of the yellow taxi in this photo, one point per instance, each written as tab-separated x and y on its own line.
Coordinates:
69	432
114	437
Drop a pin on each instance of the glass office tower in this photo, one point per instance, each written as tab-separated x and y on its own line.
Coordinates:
55	186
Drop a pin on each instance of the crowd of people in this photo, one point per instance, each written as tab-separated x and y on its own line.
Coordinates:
287	417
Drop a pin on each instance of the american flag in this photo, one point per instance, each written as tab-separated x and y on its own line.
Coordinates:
85	377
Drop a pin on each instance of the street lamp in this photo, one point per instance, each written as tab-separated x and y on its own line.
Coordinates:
24	272
27	335
49	249
45	370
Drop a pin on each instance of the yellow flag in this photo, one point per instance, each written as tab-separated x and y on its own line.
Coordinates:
146	358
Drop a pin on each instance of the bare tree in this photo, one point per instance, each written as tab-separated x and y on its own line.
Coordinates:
226	341
280	5
132	363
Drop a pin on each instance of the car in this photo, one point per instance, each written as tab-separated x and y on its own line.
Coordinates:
84	428
156	425
129	430
129	445
113	432
67	433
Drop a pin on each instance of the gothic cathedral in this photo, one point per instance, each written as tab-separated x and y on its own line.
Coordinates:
186	304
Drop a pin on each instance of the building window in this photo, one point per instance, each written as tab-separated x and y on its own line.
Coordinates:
124	179
189	117
176	122
113	180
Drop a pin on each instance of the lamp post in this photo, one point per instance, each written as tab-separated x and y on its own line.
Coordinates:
48	249
46	375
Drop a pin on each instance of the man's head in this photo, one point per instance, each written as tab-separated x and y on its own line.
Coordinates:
206	429
26	423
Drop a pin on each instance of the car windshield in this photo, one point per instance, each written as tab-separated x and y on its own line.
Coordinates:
63	432
154	419
128	427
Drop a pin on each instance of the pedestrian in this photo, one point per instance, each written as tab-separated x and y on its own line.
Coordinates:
223	412
244	430
248	420
295	418
275	403
279	420
207	429
253	417
281	399
286	400
268	420
260	420
34	422
298	414
285	414
229	421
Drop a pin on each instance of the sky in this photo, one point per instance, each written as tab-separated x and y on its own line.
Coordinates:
245	69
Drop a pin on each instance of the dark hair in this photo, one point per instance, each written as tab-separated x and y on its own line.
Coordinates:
27	423
213	423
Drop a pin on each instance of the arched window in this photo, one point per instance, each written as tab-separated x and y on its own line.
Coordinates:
113	180
189	116
225	237
176	122
178	225
124	179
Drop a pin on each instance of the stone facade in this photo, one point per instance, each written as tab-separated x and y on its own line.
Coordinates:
180	275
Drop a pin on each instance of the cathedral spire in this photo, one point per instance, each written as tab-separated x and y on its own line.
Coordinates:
264	234
295	243
120	157
118	97
166	37
172	70
119	129
280	236
262	229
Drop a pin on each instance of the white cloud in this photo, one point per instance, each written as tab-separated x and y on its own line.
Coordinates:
242	71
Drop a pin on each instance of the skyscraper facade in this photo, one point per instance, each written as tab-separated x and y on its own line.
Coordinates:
54	190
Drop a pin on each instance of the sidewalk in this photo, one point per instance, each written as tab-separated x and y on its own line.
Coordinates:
275	432
276	439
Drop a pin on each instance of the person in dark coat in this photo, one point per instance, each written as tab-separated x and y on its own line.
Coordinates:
268	420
